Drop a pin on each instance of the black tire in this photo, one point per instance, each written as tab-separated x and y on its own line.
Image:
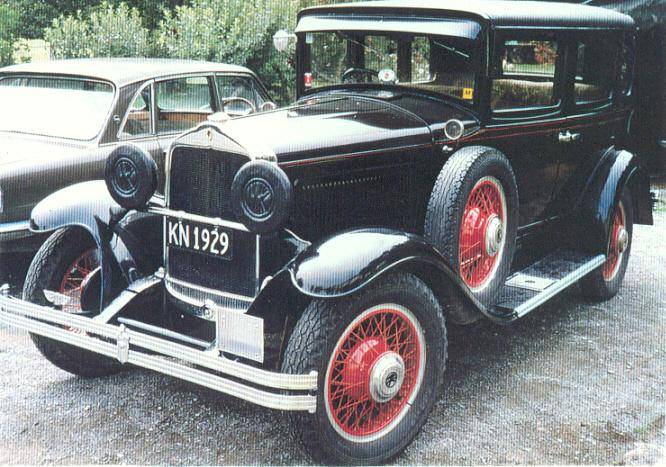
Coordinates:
262	196
130	174
46	271
596	286
314	343
444	218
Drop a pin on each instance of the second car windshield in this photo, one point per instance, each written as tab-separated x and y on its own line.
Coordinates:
435	64
52	106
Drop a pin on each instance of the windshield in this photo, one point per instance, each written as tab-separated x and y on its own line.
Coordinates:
438	64
60	107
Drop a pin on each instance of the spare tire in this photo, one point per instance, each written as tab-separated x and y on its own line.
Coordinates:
131	176
472	218
262	196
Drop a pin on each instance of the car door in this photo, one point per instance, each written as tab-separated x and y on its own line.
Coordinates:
526	113
596	114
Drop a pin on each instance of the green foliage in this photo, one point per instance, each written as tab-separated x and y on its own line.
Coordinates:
35	16
8	36
109	31
220	30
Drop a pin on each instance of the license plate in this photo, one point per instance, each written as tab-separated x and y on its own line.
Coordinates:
201	238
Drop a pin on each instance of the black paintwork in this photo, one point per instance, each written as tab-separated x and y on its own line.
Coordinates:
363	165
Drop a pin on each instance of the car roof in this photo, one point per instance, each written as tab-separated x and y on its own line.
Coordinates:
496	12
122	71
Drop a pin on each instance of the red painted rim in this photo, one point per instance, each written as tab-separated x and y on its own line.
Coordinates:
74	279
485	202
350	405
614	256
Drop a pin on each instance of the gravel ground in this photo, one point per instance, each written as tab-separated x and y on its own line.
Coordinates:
572	383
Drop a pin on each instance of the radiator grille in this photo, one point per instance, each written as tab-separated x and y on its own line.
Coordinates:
237	276
200	181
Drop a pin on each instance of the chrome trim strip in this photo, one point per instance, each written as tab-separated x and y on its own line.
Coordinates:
568	280
130	323
47	322
216	221
12	227
169	282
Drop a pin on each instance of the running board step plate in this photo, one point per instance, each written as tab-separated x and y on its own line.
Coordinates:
538	283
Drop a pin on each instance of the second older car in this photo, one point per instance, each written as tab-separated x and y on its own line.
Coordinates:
59	120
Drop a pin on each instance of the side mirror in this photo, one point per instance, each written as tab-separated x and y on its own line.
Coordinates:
281	40
267	106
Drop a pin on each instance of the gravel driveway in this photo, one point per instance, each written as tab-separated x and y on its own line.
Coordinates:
571	383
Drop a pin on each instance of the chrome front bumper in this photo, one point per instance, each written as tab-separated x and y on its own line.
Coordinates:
252	384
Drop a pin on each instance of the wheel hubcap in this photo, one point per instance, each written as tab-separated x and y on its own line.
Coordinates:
482	233
386	377
375	372
618	244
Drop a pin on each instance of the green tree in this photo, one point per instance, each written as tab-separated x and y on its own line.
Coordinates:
8	36
108	31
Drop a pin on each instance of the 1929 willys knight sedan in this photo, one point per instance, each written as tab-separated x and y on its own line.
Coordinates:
445	162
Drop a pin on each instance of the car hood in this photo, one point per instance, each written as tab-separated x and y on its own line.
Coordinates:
26	149
330	126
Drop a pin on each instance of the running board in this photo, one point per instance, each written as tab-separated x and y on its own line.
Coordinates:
533	286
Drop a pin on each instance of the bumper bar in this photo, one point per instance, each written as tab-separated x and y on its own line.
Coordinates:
129	346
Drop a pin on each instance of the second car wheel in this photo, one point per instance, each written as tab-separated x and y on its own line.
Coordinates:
66	264
472	218
380	356
604	283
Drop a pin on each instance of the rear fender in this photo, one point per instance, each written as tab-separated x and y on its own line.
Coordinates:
346	263
89	206
617	171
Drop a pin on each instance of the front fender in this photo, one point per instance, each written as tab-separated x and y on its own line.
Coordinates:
346	263
89	205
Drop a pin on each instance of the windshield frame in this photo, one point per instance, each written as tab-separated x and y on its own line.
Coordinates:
101	131
479	46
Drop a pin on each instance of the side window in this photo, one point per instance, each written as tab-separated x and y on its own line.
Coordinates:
182	103
595	70
235	93
524	75
420	60
137	122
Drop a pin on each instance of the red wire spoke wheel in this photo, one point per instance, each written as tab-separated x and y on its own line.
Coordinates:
482	233
618	243
375	372
75	278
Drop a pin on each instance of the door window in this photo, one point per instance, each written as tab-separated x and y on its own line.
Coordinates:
595	62
524	75
237	93
139	115
182	103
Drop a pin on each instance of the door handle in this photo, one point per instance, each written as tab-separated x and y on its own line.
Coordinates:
568	137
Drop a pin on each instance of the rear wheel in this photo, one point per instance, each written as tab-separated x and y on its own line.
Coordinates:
472	218
380	356
604	283
64	264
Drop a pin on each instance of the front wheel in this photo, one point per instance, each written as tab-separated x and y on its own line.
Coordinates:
380	356
64	264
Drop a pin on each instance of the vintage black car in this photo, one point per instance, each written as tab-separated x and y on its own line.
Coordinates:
445	162
60	119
